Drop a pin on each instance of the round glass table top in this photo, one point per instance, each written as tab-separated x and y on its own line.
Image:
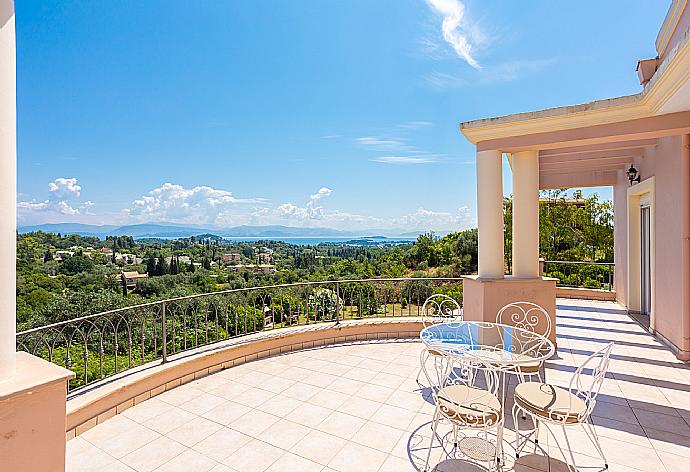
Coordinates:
492	342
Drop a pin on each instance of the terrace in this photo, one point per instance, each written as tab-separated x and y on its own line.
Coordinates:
321	376
357	406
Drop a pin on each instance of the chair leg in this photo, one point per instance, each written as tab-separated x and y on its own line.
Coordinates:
503	388
521	377
570	450
499	443
434	423
422	361
517	430
594	438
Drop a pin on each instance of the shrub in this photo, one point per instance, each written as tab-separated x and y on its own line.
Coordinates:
324	304
591	283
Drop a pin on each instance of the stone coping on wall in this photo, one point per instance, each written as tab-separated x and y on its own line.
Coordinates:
102	400
32	373
580	293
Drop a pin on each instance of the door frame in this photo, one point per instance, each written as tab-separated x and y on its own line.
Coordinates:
641	194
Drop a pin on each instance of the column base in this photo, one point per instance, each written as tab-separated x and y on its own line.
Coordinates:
483	298
32	416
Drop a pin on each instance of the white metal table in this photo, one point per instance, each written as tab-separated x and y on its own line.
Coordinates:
503	346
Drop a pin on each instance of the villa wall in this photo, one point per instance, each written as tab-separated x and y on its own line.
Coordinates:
620	238
664	163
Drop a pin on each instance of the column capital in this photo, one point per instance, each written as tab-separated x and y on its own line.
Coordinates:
489	153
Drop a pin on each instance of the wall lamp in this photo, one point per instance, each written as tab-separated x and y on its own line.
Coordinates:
633	175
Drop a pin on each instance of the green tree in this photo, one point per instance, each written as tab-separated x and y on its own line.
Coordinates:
75	264
162	267
151	265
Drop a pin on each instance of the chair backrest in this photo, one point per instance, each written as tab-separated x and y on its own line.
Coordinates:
448	370
587	380
440	308
526	315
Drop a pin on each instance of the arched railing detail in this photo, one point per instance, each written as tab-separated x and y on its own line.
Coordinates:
101	345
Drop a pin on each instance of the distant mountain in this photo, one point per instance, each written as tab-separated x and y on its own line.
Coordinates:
158	231
137	231
163	230
283	232
70	228
410	234
171	230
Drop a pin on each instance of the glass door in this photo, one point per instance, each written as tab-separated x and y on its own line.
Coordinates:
646	261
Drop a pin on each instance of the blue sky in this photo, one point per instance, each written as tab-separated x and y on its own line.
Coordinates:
339	114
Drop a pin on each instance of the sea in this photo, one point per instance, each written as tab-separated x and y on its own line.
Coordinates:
309	241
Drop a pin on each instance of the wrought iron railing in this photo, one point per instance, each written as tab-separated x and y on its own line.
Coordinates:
104	344
597	275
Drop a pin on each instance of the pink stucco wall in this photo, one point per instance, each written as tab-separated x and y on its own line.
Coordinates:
664	162
620	237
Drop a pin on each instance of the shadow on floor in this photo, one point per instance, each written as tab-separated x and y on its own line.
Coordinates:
585	318
621	357
614	311
606	341
605	330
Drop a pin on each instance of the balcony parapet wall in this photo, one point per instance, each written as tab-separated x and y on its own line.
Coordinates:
100	401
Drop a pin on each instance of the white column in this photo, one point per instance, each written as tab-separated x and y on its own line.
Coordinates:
8	189
490	214
526	214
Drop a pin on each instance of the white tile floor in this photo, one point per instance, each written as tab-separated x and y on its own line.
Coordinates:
358	408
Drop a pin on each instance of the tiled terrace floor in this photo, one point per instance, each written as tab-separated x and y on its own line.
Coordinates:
358	408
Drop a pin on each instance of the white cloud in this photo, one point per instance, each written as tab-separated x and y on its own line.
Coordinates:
415	124
424	219
312	215
178	204
218	208
444	81
500	73
64	188
322	193
455	29
311	211
407	160
378	143
405	154
289	210
63	200
514	70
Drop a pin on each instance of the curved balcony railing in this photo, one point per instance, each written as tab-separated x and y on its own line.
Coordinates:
104	344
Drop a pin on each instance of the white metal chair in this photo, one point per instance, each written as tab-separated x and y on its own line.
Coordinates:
553	405
462	402
438	308
531	317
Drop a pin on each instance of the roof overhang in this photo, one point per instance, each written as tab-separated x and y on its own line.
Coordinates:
669	26
667	92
